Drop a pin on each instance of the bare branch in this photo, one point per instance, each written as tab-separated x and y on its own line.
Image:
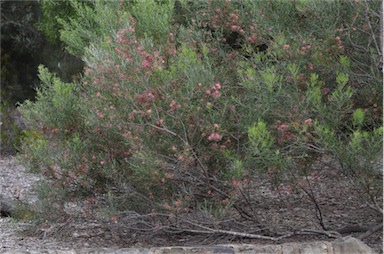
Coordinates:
378	49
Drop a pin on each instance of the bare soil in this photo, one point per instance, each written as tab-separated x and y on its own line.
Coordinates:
339	202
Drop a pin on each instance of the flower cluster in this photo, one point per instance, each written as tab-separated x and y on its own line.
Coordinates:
173	106
214	137
214	91
284	132
145	98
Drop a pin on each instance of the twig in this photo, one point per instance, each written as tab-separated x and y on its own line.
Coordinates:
188	145
371	30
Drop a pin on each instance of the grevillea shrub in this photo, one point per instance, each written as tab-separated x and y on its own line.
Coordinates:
183	115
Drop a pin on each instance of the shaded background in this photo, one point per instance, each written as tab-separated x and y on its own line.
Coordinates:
23	48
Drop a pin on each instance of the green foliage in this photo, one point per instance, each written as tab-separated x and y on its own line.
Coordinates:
87	24
56	106
358	117
171	117
153	19
261	140
52	12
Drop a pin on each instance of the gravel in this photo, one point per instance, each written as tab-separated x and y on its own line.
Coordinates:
17	184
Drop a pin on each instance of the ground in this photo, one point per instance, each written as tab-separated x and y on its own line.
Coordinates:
338	201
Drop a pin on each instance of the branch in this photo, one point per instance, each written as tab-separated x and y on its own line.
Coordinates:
167	131
188	145
208	230
371	30
375	207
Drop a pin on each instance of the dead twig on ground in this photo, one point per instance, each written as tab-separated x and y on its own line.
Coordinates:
201	229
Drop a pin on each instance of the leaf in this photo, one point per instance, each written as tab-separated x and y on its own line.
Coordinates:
260	136
358	117
345	62
342	79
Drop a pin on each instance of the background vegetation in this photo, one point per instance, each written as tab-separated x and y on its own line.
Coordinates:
23	48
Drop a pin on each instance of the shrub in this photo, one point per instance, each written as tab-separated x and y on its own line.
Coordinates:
170	118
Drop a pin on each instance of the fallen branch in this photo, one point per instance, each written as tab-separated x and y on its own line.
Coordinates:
208	230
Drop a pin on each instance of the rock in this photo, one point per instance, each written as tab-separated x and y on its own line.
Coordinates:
345	245
350	244
6	207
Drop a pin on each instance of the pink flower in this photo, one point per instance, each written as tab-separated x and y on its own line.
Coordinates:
99	114
120	36
98	94
215	94
132	19
119	52
102	162
218	86
214	137
324	90
174	105
145	98
146	64
308	121
283	127
159	122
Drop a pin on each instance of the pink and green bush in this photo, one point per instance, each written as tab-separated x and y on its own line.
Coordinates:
168	117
